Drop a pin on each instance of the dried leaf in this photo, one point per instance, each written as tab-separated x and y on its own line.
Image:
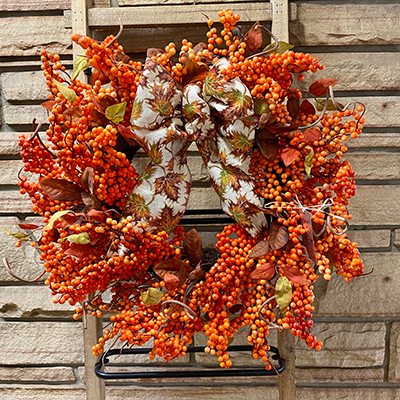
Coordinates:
73	114
321	86
236	308
28	226
120	56
48	105
308	160
278	236
254	38
55	216
311	135
80	64
230	341
283	47
279	128
295	275
171	281
264	271
69	219
320	105
96	215
200	47
91	202
79	250
175	267
261	249
307	108
308	237
193	246
116	112
105	102
100	74
87	179
289	154
269	148
261	106
196	273
17	235
68	93
61	189
152	296
193	72
293	106
283	293
80	238
265	119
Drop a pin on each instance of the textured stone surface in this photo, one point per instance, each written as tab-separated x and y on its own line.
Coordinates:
370	166
32	5
357	71
18	38
338	298
331	25
183	393
9	143
347	394
9	172
41	343
349	375
24	260
391	140
12	202
37	375
24	86
24	115
370	238
397	237
42	393
352	345
394	365
30	302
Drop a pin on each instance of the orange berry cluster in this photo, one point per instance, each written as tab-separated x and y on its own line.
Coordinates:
160	292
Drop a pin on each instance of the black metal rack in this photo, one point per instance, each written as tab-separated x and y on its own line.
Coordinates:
195	373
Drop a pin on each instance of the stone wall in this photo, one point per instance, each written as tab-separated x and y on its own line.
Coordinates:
359	322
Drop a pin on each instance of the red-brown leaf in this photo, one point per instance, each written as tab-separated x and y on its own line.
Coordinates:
293	106
154	52
311	135
61	189
264	271
289	154
254	38
196	273
48	105
96	215
235	308
265	119
87	179
106	102
28	226
261	249
295	276
268	147
68	219
194	72
308	237
101	74
91	202
171	281
120	56
193	246
79	250
73	113
175	267
278	236
321	86
307	108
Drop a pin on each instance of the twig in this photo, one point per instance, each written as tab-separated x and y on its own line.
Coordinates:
17	277
271	324
36	135
270	50
121	28
334	101
187	308
320	117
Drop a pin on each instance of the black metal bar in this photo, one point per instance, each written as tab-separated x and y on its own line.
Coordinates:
198	373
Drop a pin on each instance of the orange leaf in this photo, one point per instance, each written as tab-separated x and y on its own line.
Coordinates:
311	135
289	154
295	276
321	86
260	249
264	271
171	281
307	108
254	38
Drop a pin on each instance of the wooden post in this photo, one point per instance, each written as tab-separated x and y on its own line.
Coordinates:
287	383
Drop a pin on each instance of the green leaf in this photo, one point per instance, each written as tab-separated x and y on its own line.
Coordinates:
116	112
261	106
308	160
69	94
17	235
320	104
152	297
80	64
283	293
55	216
81	238
282	47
